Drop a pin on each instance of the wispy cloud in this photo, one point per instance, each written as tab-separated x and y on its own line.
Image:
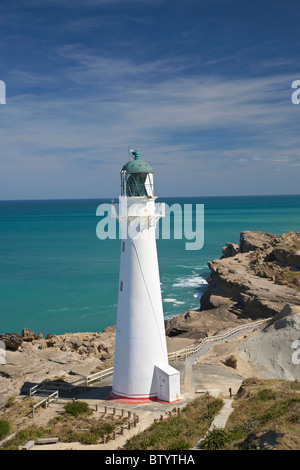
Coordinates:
83	95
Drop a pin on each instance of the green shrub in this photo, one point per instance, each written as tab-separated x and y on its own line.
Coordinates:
10	402
216	439
77	408
106	429
4	428
89	438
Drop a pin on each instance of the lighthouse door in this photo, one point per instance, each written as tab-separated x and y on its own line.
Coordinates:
163	393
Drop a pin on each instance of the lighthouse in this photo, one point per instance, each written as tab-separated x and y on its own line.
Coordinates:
141	368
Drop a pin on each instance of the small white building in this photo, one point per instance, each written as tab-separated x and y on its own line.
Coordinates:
141	369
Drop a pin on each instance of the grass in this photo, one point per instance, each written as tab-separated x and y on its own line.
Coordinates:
291	275
16	410
179	432
296	247
266	415
10	402
4	428
77	424
288	277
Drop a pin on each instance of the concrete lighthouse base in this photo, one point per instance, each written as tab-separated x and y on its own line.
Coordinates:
130	400
166	382
137	401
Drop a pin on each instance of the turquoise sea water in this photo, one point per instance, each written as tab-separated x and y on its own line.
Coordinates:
56	276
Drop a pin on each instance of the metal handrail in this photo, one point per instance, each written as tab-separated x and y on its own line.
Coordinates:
185	352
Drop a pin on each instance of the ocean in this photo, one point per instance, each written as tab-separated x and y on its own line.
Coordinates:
57	276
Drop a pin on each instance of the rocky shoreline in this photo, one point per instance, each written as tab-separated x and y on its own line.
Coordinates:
257	278
252	280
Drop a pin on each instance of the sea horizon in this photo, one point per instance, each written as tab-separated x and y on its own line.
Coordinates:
158	197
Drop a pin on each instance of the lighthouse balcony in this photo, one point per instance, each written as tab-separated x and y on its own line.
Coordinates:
123	209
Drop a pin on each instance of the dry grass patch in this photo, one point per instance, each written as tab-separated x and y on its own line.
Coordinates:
179	432
85	426
266	416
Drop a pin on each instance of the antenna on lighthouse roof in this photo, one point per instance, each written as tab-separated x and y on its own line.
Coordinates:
134	153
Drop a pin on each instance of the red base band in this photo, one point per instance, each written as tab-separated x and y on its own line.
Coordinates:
127	399
135	400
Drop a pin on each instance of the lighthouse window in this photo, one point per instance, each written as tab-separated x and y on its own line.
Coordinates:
139	184
123	246
121	285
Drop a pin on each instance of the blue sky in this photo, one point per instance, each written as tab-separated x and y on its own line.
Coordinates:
201	87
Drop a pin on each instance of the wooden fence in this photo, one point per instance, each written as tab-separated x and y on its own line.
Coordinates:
46	401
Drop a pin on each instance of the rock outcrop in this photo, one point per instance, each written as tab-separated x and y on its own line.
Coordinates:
30	358
255	279
275	350
260	276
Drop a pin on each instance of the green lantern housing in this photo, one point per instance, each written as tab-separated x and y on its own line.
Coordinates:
137	177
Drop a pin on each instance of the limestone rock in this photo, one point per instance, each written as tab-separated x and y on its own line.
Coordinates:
12	340
271	351
230	361
52	357
28	335
250	241
261	278
231	249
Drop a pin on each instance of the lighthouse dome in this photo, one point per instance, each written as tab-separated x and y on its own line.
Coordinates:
137	165
137	177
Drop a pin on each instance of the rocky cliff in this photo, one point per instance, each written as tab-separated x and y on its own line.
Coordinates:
259	276
253	279
275	350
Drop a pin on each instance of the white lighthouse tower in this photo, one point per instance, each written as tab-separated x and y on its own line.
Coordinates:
141	369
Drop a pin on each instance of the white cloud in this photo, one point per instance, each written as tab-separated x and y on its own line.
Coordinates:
104	104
